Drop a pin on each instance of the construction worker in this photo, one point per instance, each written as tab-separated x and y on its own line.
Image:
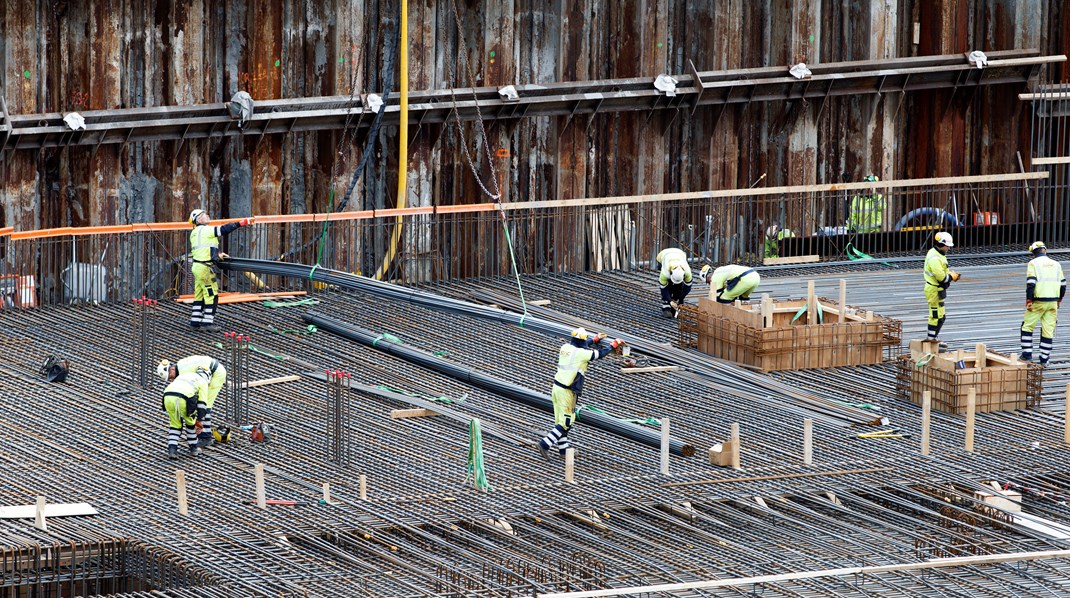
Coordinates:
217	378
773	235
937	279
180	400
730	282
867	211
1045	287
572	364
675	280
204	250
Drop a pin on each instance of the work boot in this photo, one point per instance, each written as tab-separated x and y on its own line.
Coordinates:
1025	356
194	451
210	328
205	441
666	310
543	451
172	452
1043	363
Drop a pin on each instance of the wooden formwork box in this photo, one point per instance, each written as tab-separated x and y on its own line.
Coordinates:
765	336
1001	383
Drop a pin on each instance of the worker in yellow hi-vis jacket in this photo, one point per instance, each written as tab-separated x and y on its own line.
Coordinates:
217	378
937	280
204	250
1045	287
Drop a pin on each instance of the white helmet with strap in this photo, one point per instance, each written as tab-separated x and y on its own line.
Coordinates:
945	239
164	370
1036	246
676	274
195	214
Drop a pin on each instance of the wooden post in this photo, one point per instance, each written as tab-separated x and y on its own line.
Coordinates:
1066	425
811	304
982	356
363	481
808	441
843	300
926	407
326	493
570	465
971	415
664	446
767	310
734	436
183	504
261	494
39	520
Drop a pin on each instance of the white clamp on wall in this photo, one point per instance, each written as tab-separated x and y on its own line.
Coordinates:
978	57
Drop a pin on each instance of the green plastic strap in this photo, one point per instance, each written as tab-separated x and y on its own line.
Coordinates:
476	470
924	361
858	405
294	303
441	353
802	310
389	337
271	355
516	273
323	235
317	265
310	329
855	255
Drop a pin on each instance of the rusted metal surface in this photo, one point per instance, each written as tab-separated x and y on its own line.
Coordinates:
97	55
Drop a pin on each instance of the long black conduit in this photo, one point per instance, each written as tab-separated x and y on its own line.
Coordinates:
490	383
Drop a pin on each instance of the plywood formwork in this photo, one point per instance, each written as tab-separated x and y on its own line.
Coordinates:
769	336
1000	382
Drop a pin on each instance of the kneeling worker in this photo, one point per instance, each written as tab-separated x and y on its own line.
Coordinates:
675	280
731	282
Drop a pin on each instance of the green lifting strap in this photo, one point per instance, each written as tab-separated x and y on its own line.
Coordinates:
310	329
476	470
295	303
924	361
802	310
855	255
389	337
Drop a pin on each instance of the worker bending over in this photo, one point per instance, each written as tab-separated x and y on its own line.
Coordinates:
730	282
1045	287
204	250
180	400
217	377
572	363
937	279
675	280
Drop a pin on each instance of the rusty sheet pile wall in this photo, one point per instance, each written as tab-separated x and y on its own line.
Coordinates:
767	334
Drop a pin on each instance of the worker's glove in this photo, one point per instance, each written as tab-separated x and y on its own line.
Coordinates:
954	276
245	221
1029	304
223	256
598	337
199	426
616	343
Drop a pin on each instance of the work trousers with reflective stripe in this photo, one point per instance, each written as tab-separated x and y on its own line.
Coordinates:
205	295
935	297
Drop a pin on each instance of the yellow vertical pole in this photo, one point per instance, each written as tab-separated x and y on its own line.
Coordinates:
403	136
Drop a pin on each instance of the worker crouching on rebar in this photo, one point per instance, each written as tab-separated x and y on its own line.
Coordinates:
204	250
1045	287
572	363
217	378
730	282
180	400
938	277
675	280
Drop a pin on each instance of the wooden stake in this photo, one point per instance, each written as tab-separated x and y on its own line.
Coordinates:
1066	425
326	493
415	412
570	466
808	441
39	520
971	415
734	436
843	300
664	446
363	479
811	304
183	504
982	356
261	494
926	407
767	310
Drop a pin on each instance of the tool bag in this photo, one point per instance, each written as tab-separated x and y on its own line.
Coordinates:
55	369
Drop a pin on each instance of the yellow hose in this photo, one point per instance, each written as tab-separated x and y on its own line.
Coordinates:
403	142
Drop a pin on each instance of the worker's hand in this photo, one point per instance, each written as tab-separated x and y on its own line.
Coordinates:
223	256
1028	303
199	426
616	343
954	276
245	221
598	337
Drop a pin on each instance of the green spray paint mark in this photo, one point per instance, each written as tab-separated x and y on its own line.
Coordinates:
660	44
26	74
341	59
492	54
811	38
277	62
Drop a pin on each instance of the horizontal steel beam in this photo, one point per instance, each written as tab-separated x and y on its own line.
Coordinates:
710	88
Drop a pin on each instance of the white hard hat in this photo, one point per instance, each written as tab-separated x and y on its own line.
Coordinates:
772	231
164	370
1036	246
194	215
579	333
676	275
945	239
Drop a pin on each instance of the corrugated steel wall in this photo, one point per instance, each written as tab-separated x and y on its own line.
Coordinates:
97	54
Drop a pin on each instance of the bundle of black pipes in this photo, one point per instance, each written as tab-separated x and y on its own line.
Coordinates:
490	383
723	376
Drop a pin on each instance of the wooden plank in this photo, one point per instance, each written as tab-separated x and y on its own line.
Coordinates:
418	412
268	381
1049	161
54	510
798	259
540	302
655	368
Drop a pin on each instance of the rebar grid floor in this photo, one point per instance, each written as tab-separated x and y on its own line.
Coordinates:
99	438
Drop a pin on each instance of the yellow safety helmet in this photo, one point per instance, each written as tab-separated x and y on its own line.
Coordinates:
194	215
1036	246
164	370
